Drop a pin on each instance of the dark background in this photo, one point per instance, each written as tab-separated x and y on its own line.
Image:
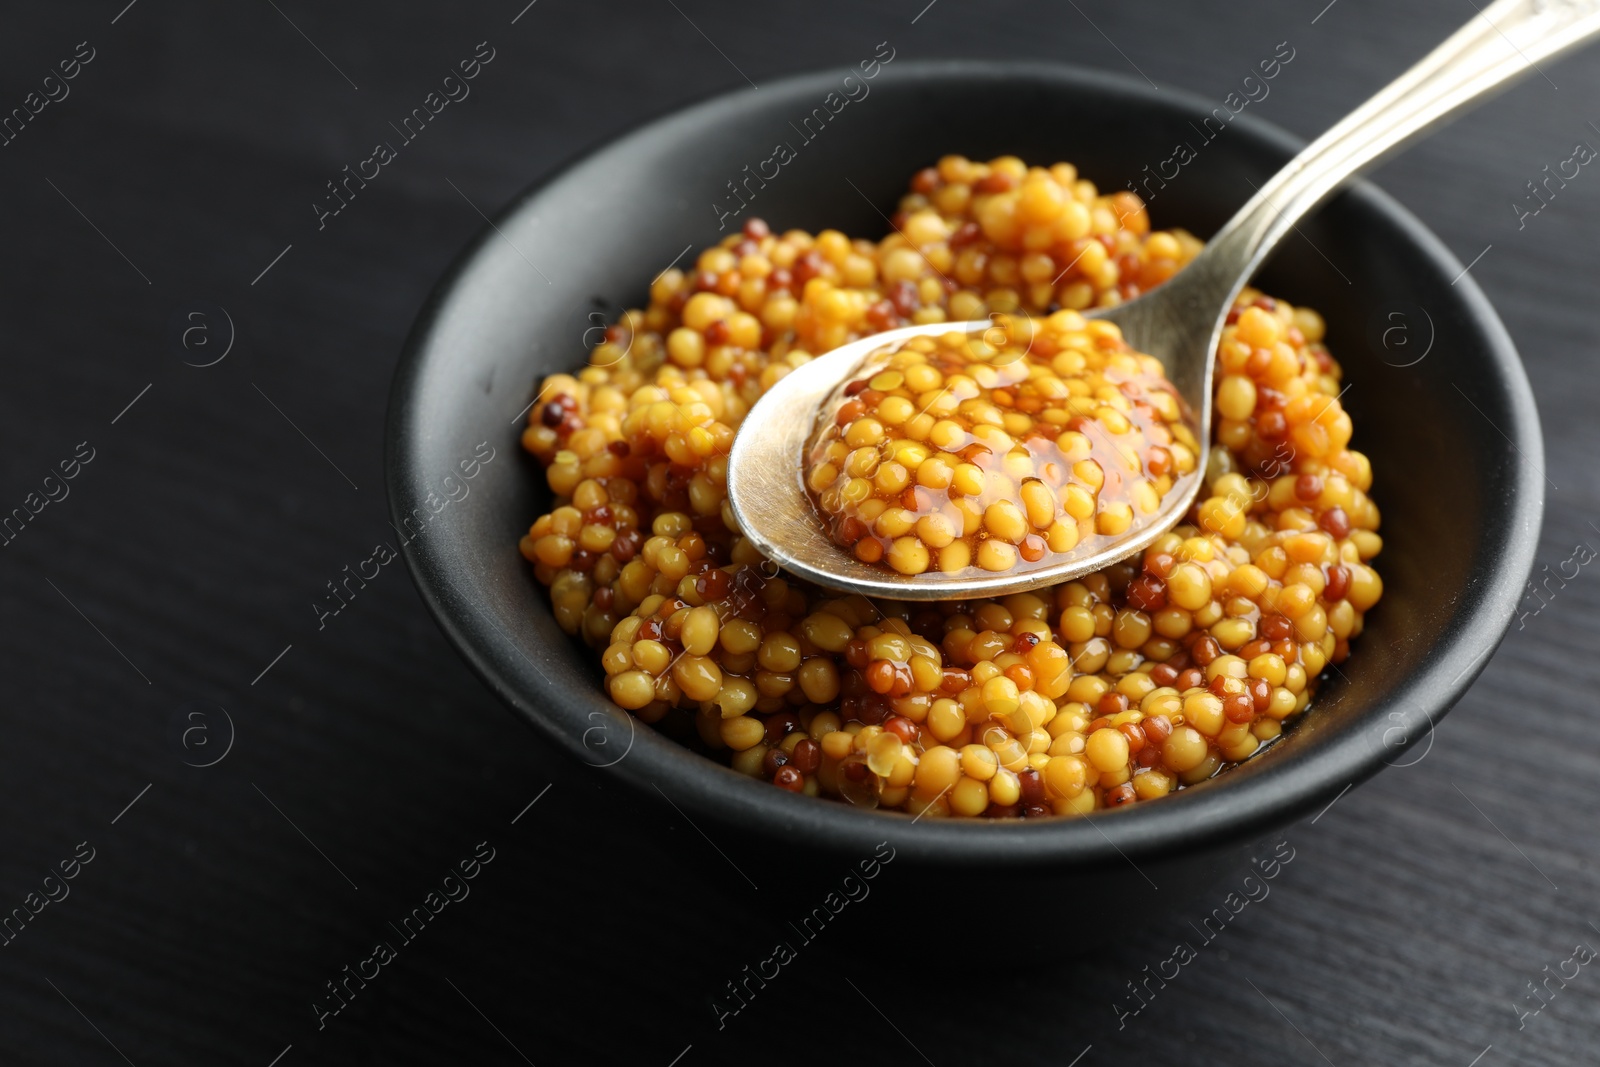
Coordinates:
368	761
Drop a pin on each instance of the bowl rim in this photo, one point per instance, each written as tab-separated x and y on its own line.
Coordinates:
1189	822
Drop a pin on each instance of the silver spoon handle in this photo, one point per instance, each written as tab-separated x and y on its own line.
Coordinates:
1504	42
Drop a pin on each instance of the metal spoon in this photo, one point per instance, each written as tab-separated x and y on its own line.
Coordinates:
1179	323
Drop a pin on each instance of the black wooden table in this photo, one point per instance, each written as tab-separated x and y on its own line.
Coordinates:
249	796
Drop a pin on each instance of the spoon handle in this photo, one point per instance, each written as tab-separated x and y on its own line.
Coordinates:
1504	42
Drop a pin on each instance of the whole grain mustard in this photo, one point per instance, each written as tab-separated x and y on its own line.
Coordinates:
1126	685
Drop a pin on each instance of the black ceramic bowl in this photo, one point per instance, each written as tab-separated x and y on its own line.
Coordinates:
1439	399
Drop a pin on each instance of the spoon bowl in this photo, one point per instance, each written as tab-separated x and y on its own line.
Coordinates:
767	491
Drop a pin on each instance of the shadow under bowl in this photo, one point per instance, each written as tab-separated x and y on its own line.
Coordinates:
1438	396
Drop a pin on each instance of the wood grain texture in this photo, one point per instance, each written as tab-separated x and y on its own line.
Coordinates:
368	761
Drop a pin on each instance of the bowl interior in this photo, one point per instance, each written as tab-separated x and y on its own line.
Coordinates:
1439	399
